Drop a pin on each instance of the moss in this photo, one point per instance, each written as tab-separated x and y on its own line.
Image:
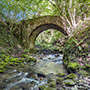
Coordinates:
52	84
30	59
3	56
3	63
42	87
2	70
87	67
71	76
2	52
46	88
11	63
84	73
0	59
14	59
69	82
7	59
59	80
73	67
2	66
60	74
26	50
49	88
22	59
22	65
24	55
16	63
50	80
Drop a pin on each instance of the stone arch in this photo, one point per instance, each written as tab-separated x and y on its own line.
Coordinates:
33	35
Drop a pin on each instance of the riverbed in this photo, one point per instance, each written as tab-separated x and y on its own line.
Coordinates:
33	75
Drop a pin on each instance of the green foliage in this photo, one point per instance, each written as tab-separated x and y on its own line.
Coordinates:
47	38
77	48
71	11
25	9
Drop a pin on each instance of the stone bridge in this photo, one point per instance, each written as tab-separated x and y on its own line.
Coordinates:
28	30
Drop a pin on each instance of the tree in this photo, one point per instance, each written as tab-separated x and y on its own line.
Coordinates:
72	12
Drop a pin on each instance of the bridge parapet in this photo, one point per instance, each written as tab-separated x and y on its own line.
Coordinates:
31	28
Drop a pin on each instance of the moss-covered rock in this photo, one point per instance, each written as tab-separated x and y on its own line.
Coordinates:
2	52
2	66
24	55
22	59
7	61
59	80
14	59
60	74
87	67
71	76
11	63
52	84
84	73
73	67
44	87
22	65
30	59
69	82
2	70
50	80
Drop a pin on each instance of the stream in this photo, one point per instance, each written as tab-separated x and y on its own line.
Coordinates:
32	76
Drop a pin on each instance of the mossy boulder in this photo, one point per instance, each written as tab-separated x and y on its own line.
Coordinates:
87	67
16	60
24	55
30	59
2	66
3	63
73	67
44	87
60	74
84	73
71	76
52	84
69	82
7	58
59	80
22	65
50	80
3	56
2	70
22	59
2	52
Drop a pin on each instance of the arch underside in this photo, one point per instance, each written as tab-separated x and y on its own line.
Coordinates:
41	28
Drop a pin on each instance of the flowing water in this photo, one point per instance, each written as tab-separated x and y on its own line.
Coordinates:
32	76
